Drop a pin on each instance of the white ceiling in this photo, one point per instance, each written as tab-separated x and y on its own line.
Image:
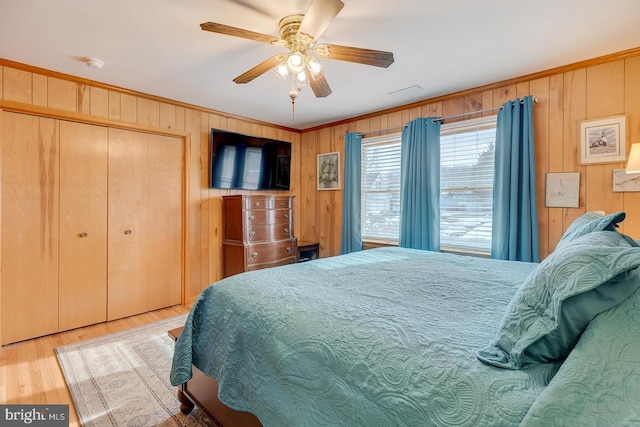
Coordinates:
442	46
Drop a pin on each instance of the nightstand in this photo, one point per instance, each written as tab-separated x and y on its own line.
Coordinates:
308	251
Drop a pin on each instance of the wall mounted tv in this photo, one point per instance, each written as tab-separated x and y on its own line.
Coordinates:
247	162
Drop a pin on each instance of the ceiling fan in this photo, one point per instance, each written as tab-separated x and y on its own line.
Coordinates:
299	34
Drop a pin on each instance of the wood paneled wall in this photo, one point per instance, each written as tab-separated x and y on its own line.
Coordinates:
79	98
597	88
602	87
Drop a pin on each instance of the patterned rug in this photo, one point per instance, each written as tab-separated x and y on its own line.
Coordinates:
122	379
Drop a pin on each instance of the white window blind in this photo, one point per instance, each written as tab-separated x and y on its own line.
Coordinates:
466	184
381	188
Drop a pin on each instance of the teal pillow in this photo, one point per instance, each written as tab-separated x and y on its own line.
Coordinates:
554	305
589	222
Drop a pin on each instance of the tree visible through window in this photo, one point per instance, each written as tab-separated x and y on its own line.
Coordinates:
466	186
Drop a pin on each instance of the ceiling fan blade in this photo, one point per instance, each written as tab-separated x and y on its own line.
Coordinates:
319	16
377	58
319	86
239	32
259	69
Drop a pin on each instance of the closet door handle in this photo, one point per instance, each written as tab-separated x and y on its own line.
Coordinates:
82	235
128	231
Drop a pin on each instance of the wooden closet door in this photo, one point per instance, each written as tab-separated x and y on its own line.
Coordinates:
29	227
164	219
144	222
83	225
128	200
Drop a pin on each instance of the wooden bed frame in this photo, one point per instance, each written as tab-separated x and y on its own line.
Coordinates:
202	390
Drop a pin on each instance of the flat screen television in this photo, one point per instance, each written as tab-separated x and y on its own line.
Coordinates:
246	162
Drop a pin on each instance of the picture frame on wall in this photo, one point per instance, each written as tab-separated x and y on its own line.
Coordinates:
625	182
329	171
562	190
603	140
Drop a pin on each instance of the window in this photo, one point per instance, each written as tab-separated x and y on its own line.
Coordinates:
381	188
466	186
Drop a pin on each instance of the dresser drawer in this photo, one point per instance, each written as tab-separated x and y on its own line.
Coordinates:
255	217
290	260
268	233
267	202
269	252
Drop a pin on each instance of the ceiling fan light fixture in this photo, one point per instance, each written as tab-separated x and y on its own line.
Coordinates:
295	62
282	70
314	67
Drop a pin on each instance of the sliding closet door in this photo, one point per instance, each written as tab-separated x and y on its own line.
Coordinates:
83	224
29	226
128	200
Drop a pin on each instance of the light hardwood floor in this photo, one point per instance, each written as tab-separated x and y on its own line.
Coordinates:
29	370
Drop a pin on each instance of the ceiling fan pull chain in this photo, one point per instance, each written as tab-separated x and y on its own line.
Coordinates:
293	94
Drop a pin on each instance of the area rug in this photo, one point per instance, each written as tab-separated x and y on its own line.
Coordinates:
122	379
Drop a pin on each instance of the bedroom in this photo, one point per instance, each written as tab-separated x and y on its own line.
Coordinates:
608	85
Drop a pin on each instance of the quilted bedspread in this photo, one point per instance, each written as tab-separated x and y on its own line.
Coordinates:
383	337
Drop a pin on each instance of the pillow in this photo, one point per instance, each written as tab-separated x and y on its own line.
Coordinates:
589	222
559	298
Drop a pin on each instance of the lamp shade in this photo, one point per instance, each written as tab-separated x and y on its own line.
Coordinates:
633	165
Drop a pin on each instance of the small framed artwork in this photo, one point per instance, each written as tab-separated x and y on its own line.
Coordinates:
329	171
563	190
603	140
625	182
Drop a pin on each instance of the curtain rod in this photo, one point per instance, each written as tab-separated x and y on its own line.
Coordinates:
361	134
535	101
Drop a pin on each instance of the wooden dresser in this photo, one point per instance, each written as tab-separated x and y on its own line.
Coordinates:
258	232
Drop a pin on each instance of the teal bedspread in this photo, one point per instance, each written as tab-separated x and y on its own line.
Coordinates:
384	337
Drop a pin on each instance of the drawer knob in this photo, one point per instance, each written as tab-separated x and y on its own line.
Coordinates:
281	203
257	204
289	249
286	216
128	231
254	255
252	233
251	218
82	235
286	230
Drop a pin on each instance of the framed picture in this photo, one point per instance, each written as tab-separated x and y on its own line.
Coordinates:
329	171
625	182
603	140
563	190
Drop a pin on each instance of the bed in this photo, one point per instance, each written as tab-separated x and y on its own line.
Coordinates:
401	337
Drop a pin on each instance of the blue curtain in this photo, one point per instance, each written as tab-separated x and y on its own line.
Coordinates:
351	237
515	216
420	185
